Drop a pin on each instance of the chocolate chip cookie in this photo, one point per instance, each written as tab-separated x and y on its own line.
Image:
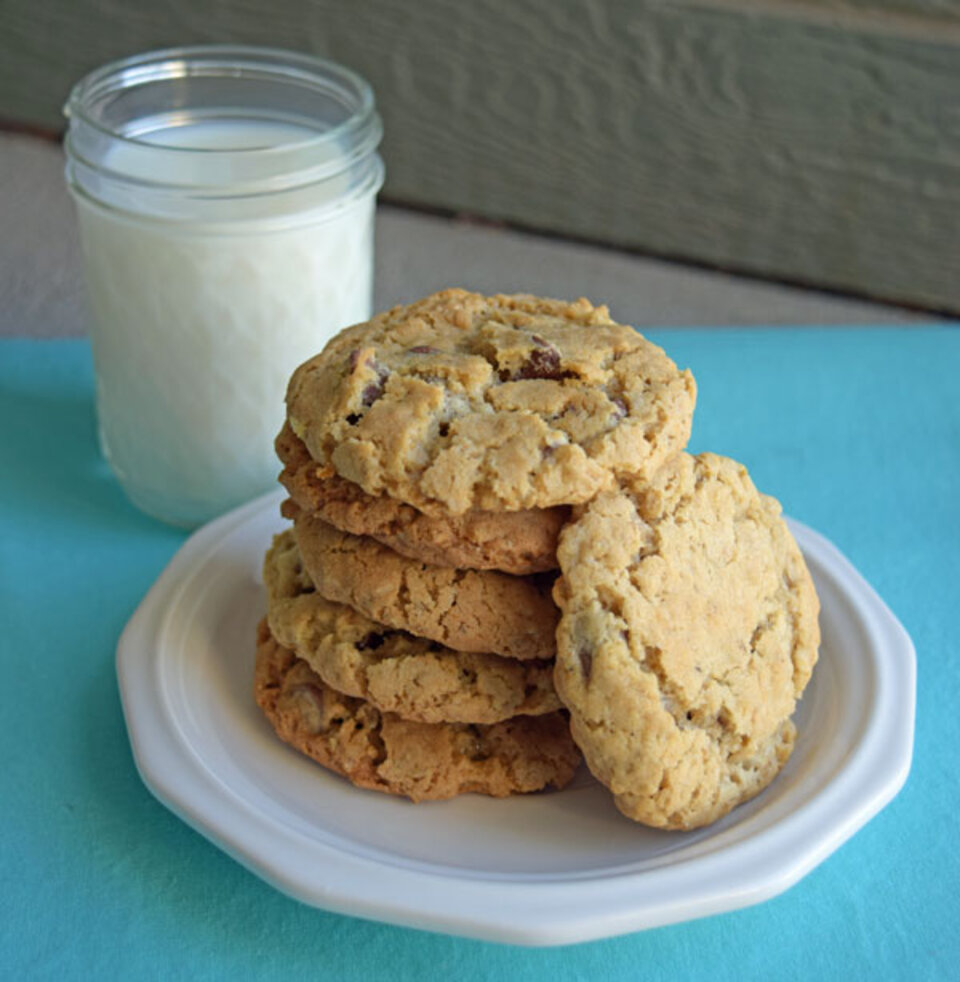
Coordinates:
462	402
688	632
518	542
466	610
392	670
422	761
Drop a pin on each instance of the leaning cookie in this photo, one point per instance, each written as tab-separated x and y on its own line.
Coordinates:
688	632
393	670
517	542
461	402
422	761
466	610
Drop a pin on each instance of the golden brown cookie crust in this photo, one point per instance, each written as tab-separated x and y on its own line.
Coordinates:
392	670
422	761
688	631
517	542
461	402
466	610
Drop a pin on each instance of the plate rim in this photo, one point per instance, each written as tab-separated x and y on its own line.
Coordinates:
537	913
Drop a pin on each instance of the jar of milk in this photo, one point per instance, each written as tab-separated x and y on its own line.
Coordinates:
225	198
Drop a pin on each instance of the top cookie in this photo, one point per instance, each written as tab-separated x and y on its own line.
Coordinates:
461	401
688	631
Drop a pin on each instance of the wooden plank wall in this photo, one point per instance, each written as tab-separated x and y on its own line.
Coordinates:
816	141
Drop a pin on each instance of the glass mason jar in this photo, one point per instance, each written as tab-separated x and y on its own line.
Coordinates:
225	198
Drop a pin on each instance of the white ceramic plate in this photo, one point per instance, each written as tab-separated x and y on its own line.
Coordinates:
539	869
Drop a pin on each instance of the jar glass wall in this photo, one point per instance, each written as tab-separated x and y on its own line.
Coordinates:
225	198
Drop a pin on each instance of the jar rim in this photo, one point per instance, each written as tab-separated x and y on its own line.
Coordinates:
208	59
117	111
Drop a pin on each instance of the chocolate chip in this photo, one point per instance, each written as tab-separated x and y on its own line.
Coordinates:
372	393
544	362
423	349
620	408
371	642
476	748
374	390
353	419
443	429
586	661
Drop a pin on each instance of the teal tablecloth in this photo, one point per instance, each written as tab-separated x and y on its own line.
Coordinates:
857	431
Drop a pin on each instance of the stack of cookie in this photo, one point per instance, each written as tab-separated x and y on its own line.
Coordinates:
443	460
398	713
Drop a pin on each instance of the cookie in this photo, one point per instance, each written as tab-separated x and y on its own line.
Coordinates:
466	610
393	670
383	752
688	632
518	542
461	402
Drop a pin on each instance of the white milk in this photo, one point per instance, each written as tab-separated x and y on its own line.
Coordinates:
197	325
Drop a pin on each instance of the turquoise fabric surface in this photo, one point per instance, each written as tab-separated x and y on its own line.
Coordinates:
857	431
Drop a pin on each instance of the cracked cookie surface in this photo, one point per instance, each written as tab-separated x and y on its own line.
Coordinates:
503	403
517	542
466	610
422	761
393	670
688	632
